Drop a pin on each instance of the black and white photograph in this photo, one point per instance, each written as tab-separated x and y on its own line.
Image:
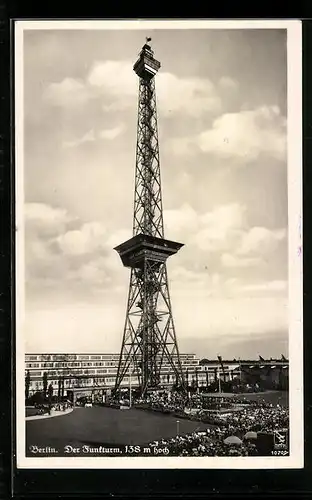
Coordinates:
158	244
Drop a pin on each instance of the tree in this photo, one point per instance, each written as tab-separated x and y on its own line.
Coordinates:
27	384
196	377
45	384
50	392
62	371
59	388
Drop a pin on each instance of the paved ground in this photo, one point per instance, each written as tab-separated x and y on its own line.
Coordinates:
100	426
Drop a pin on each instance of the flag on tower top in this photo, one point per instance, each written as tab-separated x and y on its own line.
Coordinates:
148	39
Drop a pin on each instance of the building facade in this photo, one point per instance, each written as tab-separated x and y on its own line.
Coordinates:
84	373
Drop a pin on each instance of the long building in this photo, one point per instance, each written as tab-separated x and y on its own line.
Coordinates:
83	373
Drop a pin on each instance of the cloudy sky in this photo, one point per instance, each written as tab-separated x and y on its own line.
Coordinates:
222	129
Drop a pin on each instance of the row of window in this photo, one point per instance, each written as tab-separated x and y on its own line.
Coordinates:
166	366
38	384
68	384
70	366
85	357
77	372
74	380
66	358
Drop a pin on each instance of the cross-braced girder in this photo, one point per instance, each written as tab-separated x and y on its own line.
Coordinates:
148	214
149	350
149	340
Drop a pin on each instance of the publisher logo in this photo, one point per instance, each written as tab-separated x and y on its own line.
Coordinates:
280	439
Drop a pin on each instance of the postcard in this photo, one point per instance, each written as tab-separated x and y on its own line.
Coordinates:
158	170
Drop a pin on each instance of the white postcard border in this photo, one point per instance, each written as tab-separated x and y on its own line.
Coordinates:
294	120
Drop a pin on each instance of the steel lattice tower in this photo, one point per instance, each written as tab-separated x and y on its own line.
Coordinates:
149	338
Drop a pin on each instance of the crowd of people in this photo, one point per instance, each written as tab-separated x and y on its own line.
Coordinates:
42	409
233	432
197	403
169	401
209	443
61	406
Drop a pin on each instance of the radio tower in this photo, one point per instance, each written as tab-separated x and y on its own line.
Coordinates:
149	339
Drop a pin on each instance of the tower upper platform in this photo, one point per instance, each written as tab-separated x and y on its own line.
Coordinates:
146	66
133	252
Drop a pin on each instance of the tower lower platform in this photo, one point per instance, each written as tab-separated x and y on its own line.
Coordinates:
135	251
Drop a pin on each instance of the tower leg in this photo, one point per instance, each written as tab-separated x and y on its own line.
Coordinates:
149	339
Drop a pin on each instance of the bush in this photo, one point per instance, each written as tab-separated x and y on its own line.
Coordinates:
36	399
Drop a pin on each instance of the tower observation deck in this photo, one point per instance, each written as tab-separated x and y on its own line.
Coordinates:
149	338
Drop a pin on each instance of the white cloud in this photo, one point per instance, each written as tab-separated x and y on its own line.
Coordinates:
222	241
38	255
252	246
68	93
213	231
44	219
85	265
180	275
92	274
261	239
181	221
88	137
228	83
115	83
224	228
226	216
78	327
87	239
118	237
108	134
67	257
232	261
114	77
212	317
111	133
246	135
112	82
217	239
184	147
240	137
269	286
191	96
103	321
59	256
82	257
